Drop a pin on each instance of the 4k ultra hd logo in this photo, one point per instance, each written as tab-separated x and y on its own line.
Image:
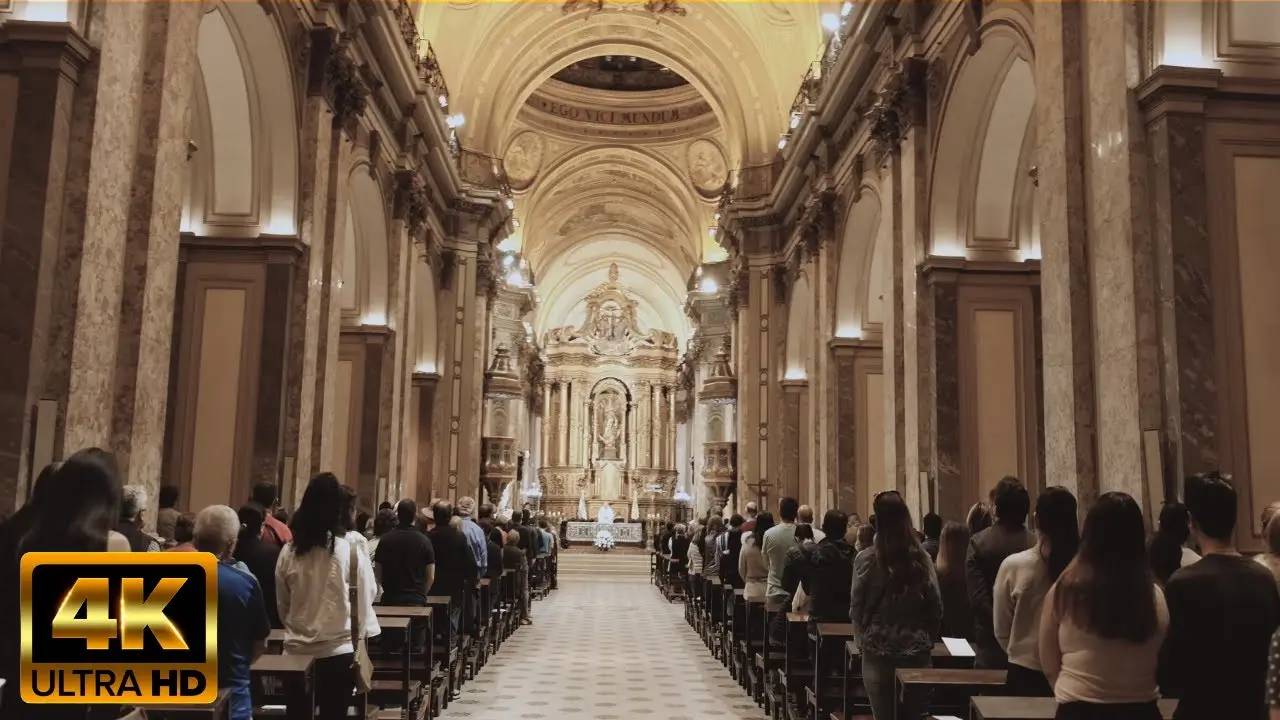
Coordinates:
137	628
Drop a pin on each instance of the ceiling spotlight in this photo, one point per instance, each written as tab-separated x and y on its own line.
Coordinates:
845	9
455	121
444	100
830	22
511	203
698	272
515	222
782	142
796	117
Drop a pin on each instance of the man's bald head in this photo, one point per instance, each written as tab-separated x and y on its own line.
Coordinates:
752	510
804	515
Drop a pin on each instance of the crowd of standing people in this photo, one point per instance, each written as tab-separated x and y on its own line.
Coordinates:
310	574
1098	615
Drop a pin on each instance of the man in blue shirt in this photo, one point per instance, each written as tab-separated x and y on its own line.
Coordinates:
243	626
475	534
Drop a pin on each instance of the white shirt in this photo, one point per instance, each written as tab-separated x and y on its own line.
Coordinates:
1189	556
311	595
1018	596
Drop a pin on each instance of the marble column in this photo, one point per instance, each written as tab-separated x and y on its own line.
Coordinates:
562	426
395	374
48	66
901	278
757	373
1174	100
102	243
1070	403
1120	248
313	327
791	480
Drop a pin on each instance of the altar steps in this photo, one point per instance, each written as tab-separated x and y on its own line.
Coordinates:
596	565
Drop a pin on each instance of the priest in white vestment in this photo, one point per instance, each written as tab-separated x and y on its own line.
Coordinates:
605	514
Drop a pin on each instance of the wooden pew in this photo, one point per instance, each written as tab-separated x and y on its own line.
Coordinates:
952	688
711	615
725	649
219	709
443	652
393	682
753	642
293	675
737	611
855	695
275	642
768	660
826	644
991	707
797	665
417	669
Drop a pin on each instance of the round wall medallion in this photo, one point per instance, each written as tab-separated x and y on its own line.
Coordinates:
707	167
523	159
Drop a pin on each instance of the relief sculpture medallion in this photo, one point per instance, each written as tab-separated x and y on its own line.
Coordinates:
523	159
707	167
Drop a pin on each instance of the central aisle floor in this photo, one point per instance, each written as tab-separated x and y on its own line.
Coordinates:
602	649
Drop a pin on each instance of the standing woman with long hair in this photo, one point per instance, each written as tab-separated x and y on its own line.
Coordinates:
953	545
895	608
751	564
312	593
1021	584
72	508
1104	621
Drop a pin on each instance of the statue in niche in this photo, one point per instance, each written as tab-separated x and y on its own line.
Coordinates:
608	425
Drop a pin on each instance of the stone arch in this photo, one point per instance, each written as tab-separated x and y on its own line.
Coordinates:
799	357
365	249
983	149
243	179
526	43
860	251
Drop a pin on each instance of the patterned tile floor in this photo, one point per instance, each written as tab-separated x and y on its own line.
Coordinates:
604	649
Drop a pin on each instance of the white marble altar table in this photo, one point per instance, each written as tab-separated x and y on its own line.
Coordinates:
628	533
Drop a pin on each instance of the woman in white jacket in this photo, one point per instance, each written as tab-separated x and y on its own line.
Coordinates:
313	589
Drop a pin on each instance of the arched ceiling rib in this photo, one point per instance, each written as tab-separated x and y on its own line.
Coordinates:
622	190
745	58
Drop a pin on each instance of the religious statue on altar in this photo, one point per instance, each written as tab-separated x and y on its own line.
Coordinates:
605	514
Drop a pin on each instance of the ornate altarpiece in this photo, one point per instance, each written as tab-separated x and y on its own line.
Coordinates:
609	426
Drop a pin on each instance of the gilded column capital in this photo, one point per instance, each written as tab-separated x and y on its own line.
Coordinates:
411	201
335	75
898	106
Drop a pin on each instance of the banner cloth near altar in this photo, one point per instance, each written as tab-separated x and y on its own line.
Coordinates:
630	533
